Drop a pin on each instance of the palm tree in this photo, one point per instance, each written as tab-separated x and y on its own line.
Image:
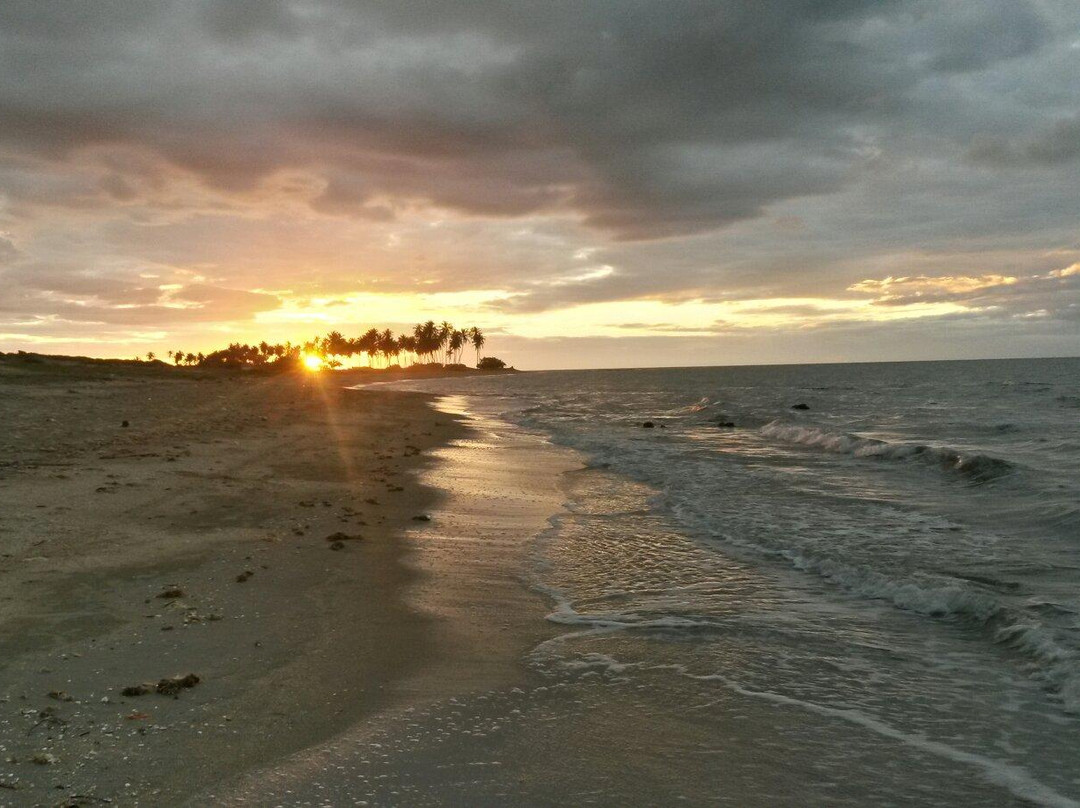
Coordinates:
406	346
369	344
477	337
445	332
177	356
335	344
427	339
387	345
455	344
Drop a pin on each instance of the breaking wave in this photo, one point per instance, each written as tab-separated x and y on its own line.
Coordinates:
974	466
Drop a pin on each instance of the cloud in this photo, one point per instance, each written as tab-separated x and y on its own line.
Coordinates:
702	150
1053	295
1055	146
8	251
49	293
644	121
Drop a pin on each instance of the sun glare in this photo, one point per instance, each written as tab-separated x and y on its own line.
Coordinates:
313	362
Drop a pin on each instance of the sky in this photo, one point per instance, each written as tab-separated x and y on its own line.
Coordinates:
595	183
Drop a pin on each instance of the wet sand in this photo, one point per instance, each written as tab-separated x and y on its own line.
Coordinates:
498	491
195	540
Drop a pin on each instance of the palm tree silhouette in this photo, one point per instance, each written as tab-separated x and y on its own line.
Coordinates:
369	344
427	343
477	337
455	344
446	330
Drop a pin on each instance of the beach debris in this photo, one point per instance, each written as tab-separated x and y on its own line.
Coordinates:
648	425
82	800
243	576
60	695
800	406
43	759
306	503
193	616
125	424
173	685
338	545
344	537
170	686
46	717
171	593
423	517
726	424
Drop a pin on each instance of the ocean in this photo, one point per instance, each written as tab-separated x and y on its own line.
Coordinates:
847	584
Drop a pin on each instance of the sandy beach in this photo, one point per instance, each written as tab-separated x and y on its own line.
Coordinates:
245	530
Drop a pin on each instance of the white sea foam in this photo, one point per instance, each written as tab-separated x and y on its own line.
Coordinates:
977	466
1015	779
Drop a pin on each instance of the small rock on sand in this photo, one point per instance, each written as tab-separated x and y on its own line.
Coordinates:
43	759
422	518
342	537
60	695
243	576
173	685
172	593
800	406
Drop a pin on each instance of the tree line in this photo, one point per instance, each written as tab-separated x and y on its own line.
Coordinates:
428	343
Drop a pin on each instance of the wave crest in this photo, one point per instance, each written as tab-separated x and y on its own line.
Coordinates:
977	467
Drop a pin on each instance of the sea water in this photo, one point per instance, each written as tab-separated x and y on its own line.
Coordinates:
843	584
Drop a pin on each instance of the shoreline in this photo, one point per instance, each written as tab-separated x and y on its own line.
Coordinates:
225	491
467	565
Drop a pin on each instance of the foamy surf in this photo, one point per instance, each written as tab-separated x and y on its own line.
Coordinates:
829	557
974	466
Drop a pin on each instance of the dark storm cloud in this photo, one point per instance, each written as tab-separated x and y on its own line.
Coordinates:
647	119
1055	146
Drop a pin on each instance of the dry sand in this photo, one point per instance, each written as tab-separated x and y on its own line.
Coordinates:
226	489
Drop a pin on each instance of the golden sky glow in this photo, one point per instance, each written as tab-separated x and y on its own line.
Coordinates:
607	319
